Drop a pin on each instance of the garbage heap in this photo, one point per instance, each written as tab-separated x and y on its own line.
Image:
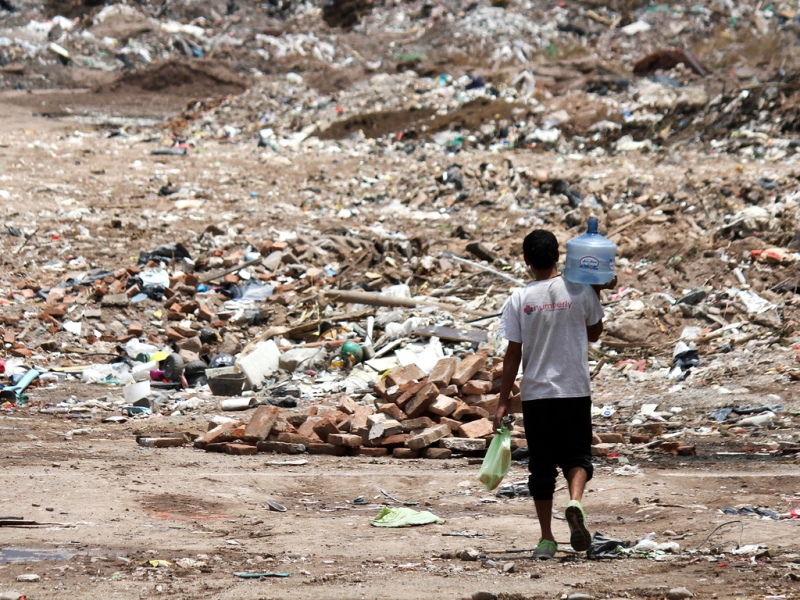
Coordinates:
410	415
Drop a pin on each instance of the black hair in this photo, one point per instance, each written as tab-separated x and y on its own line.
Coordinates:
540	249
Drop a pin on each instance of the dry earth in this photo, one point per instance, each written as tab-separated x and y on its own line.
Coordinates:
207	514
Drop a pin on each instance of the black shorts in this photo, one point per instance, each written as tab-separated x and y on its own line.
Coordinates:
559	434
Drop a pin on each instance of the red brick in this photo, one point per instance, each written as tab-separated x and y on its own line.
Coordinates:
221	433
374	452
325	427
360	417
476	429
397	439
450	390
344	439
347	405
281	447
380	387
471	399
327	449
611	438
56	312
296	438
391	409
443	372
173	335
443	406
489	403
408	393
238	433
483	375
418	423
428	437
239	449
307	429
601	449
135	329
422	400
638	438
189	307
405	453
451	423
261	423
462	408
186	332
467	368
518	442
476	412
404	375
204	313
437	453
463	444
497	368
476	387
20	352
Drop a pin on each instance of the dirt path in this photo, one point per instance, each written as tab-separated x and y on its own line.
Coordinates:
207	513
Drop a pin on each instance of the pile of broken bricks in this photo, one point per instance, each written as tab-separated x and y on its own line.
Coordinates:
409	415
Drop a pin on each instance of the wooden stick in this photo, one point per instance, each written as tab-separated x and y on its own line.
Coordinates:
218	274
640	218
378	299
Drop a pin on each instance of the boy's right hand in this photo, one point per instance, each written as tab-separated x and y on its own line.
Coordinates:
499	415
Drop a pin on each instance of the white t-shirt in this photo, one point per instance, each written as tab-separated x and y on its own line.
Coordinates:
549	318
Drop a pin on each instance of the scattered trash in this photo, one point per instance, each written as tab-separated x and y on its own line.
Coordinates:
605	547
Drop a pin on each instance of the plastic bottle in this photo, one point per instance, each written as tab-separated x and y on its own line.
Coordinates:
590	257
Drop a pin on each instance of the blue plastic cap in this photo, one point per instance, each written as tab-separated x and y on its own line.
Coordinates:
593	224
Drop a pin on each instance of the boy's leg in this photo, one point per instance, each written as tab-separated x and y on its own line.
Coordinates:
576	479
542	461
544	511
576	464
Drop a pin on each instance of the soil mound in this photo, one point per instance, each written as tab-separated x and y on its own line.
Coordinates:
197	78
468	117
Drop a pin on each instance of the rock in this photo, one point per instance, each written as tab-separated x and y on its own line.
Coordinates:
509	567
469	554
28	577
484	596
679	594
230	344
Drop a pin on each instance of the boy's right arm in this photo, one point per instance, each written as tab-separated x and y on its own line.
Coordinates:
510	369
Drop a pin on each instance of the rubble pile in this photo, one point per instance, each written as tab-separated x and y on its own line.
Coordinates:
395	156
413	415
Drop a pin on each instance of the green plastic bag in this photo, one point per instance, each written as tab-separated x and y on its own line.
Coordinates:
497	460
401	516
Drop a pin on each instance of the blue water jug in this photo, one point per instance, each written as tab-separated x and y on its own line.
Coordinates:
590	257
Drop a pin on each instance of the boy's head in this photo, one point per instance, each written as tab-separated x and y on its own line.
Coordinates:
540	249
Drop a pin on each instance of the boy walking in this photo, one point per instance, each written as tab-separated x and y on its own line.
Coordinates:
548	325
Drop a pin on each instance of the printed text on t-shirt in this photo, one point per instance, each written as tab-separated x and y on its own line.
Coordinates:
551	306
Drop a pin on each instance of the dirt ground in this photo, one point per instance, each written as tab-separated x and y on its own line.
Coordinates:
112	506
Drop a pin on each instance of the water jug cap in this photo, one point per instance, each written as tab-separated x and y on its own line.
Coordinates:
593	223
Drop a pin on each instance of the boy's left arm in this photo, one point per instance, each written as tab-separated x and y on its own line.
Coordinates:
594	331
